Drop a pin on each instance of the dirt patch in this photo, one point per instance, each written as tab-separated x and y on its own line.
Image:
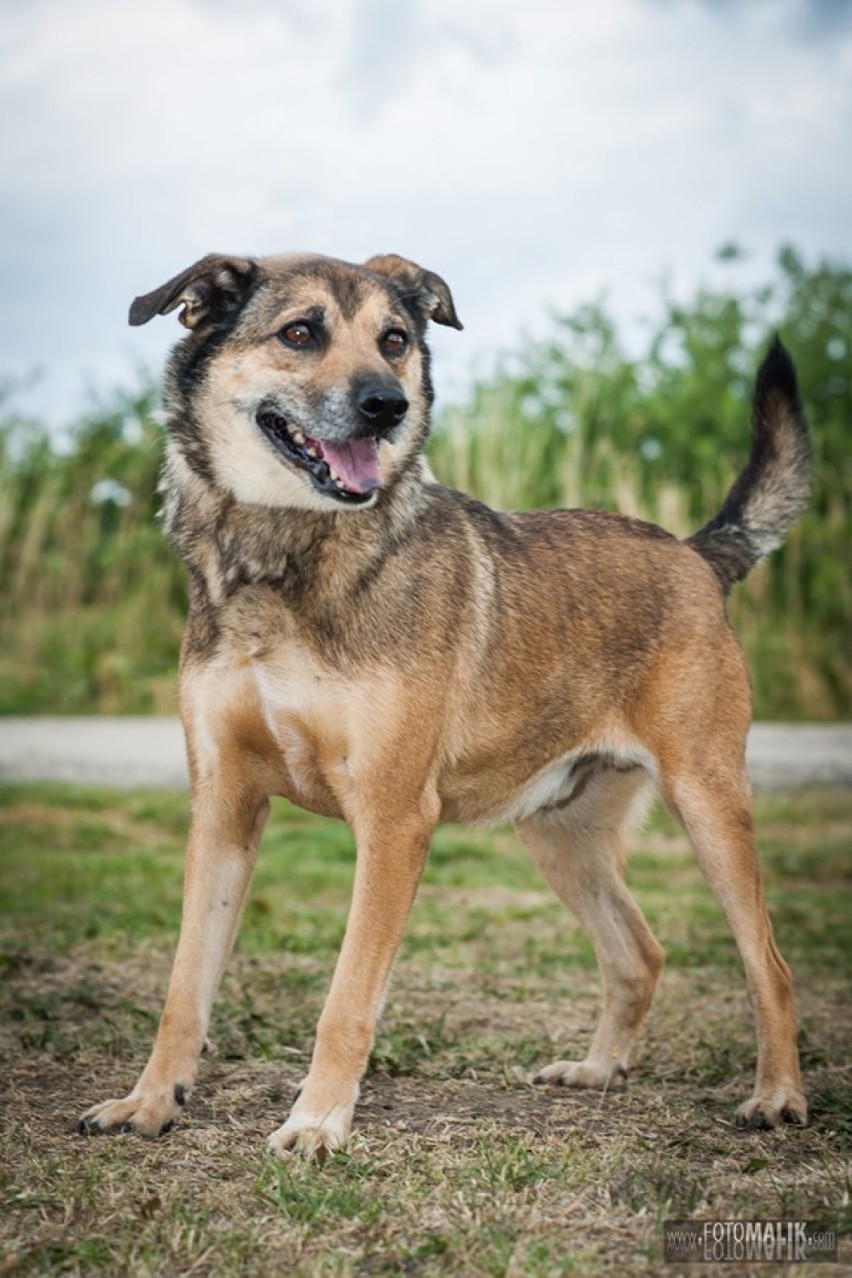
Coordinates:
459	1166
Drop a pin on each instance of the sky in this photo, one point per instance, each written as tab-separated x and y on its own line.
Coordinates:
534	154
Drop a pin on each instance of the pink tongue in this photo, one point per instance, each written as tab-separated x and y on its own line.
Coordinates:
357	463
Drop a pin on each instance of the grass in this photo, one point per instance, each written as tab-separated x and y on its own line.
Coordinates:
457	1166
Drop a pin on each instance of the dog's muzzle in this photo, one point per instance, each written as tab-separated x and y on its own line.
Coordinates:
348	471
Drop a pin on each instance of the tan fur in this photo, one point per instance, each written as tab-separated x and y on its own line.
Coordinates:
420	659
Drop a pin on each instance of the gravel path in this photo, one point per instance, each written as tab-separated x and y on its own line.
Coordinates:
128	752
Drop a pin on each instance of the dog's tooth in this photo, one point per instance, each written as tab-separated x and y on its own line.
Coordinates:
299	437
334	474
309	449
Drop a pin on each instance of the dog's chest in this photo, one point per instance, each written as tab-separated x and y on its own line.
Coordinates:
302	706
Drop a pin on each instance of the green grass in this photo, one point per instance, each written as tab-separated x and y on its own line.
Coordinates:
457	1165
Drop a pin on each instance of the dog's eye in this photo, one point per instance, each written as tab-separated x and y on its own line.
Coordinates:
394	342
298	334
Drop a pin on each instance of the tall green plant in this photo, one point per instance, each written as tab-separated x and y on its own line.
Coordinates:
93	599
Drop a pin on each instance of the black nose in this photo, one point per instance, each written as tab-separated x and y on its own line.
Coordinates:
381	406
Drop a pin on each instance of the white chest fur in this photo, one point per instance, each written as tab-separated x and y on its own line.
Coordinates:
297	701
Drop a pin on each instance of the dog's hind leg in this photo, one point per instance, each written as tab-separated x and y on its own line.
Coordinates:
579	849
714	806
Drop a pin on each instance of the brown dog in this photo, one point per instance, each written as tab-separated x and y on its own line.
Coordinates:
382	649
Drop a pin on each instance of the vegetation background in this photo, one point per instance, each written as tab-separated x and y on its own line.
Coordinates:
93	599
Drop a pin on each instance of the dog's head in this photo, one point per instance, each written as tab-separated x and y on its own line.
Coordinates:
304	381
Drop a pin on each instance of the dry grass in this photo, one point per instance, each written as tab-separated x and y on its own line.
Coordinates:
459	1166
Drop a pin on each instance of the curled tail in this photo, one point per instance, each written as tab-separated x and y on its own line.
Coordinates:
772	492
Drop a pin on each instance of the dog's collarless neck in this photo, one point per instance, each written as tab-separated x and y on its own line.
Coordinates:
304	556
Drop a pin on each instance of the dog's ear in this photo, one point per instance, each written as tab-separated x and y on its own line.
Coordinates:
210	289
428	290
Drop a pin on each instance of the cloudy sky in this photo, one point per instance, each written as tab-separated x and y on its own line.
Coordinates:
532	153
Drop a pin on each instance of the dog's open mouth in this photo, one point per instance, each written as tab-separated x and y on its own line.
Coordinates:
349	471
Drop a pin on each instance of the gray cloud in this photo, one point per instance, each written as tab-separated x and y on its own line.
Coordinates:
393	42
812	19
530	153
388	42
823	19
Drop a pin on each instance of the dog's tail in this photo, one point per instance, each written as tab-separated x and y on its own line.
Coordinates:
772	492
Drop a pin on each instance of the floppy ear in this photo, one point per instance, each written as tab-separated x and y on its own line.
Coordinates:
210	289
430	292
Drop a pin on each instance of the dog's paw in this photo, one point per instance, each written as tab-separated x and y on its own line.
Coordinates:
582	1074
766	1110
314	1131
150	1112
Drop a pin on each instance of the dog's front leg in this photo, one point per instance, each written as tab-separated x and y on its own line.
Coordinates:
390	860
222	849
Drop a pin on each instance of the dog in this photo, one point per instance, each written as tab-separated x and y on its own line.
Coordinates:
379	648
